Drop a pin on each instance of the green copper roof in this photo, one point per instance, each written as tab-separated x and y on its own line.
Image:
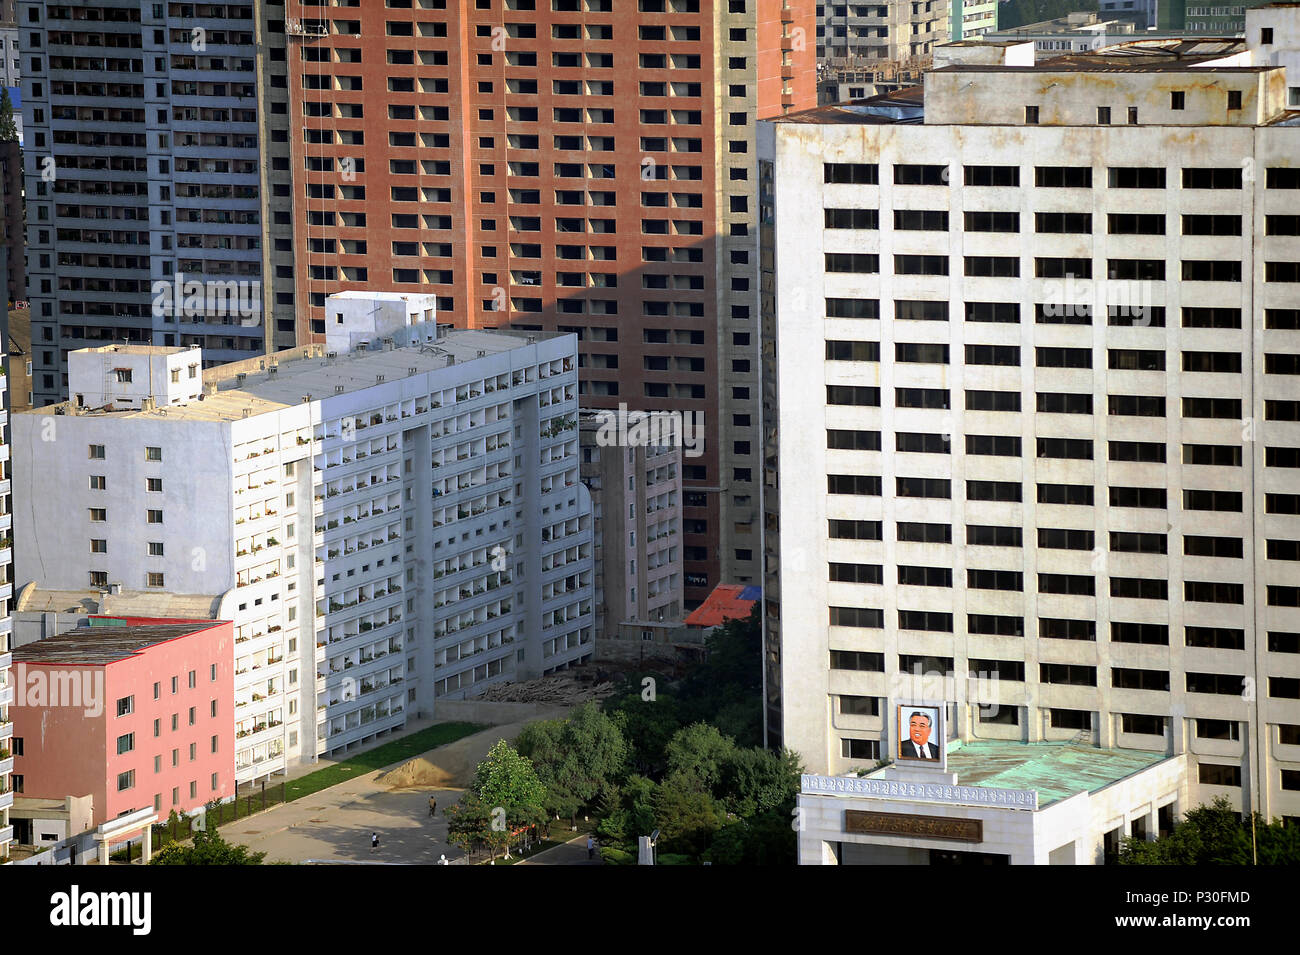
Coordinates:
1055	770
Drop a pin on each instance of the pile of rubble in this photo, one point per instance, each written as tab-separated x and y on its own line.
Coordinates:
571	688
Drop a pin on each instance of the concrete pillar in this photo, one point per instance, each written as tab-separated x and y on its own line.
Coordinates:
103	852
146	846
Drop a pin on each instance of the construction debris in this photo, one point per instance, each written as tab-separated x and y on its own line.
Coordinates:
571	688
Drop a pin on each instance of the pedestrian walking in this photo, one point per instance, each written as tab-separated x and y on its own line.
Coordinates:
591	848
433	806
374	841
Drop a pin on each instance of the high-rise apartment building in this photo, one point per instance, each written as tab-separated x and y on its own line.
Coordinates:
157	156
566	166
895	29
389	518
1053	443
636	498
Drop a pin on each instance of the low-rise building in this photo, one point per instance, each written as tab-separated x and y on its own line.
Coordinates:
137	716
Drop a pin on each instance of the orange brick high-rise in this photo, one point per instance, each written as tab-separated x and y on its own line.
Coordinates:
572	165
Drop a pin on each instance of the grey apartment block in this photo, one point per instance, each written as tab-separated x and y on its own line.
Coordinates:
147	177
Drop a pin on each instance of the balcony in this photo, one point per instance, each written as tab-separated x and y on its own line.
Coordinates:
6	765
6	800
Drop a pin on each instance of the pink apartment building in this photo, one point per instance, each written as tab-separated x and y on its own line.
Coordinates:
136	715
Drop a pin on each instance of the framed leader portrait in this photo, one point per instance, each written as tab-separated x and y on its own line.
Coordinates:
921	735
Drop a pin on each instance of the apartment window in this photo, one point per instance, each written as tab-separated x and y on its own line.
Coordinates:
1149	633
1031	115
97	452
1149	452
1139	588
155	516
1203	317
921	220
1009	580
861	174
1079	449
985	535
936	488
98	482
992	175
930	621
1103	115
1128	678
1141	406
1055	628
1221	684
1215	638
1064	403
1211	270
921	311
992	400
1144	497
1063	357
914	576
995	445
1063	222
852	219
1234	99
860	484
1068	674
1217	774
852	308
995	625
993	312
855	573
1060	538
854	530
98	546
857	660
1077	585
853	440
860	705
1213	591
125	743
993	491
126	706
1063	177
864	617
858	395
125	780
153	454
1142	724
852	351
1070	495
1070	719
1177	99
920	175
98	514
1136	177
154	579
1196	545
923	533
1135	359
1218	729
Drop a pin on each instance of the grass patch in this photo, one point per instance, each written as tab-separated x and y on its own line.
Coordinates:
379	757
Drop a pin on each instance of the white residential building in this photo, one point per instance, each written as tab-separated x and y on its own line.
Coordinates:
1033	396
385	527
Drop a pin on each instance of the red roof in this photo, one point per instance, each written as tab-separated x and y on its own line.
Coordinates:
727	602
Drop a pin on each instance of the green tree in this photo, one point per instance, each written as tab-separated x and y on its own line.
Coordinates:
727	688
506	786
757	780
208	848
646	724
699	752
8	131
1217	835
686	816
576	759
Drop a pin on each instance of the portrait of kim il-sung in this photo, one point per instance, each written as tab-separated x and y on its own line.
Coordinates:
920	733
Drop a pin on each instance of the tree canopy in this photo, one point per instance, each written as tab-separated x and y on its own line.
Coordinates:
207	848
1217	835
